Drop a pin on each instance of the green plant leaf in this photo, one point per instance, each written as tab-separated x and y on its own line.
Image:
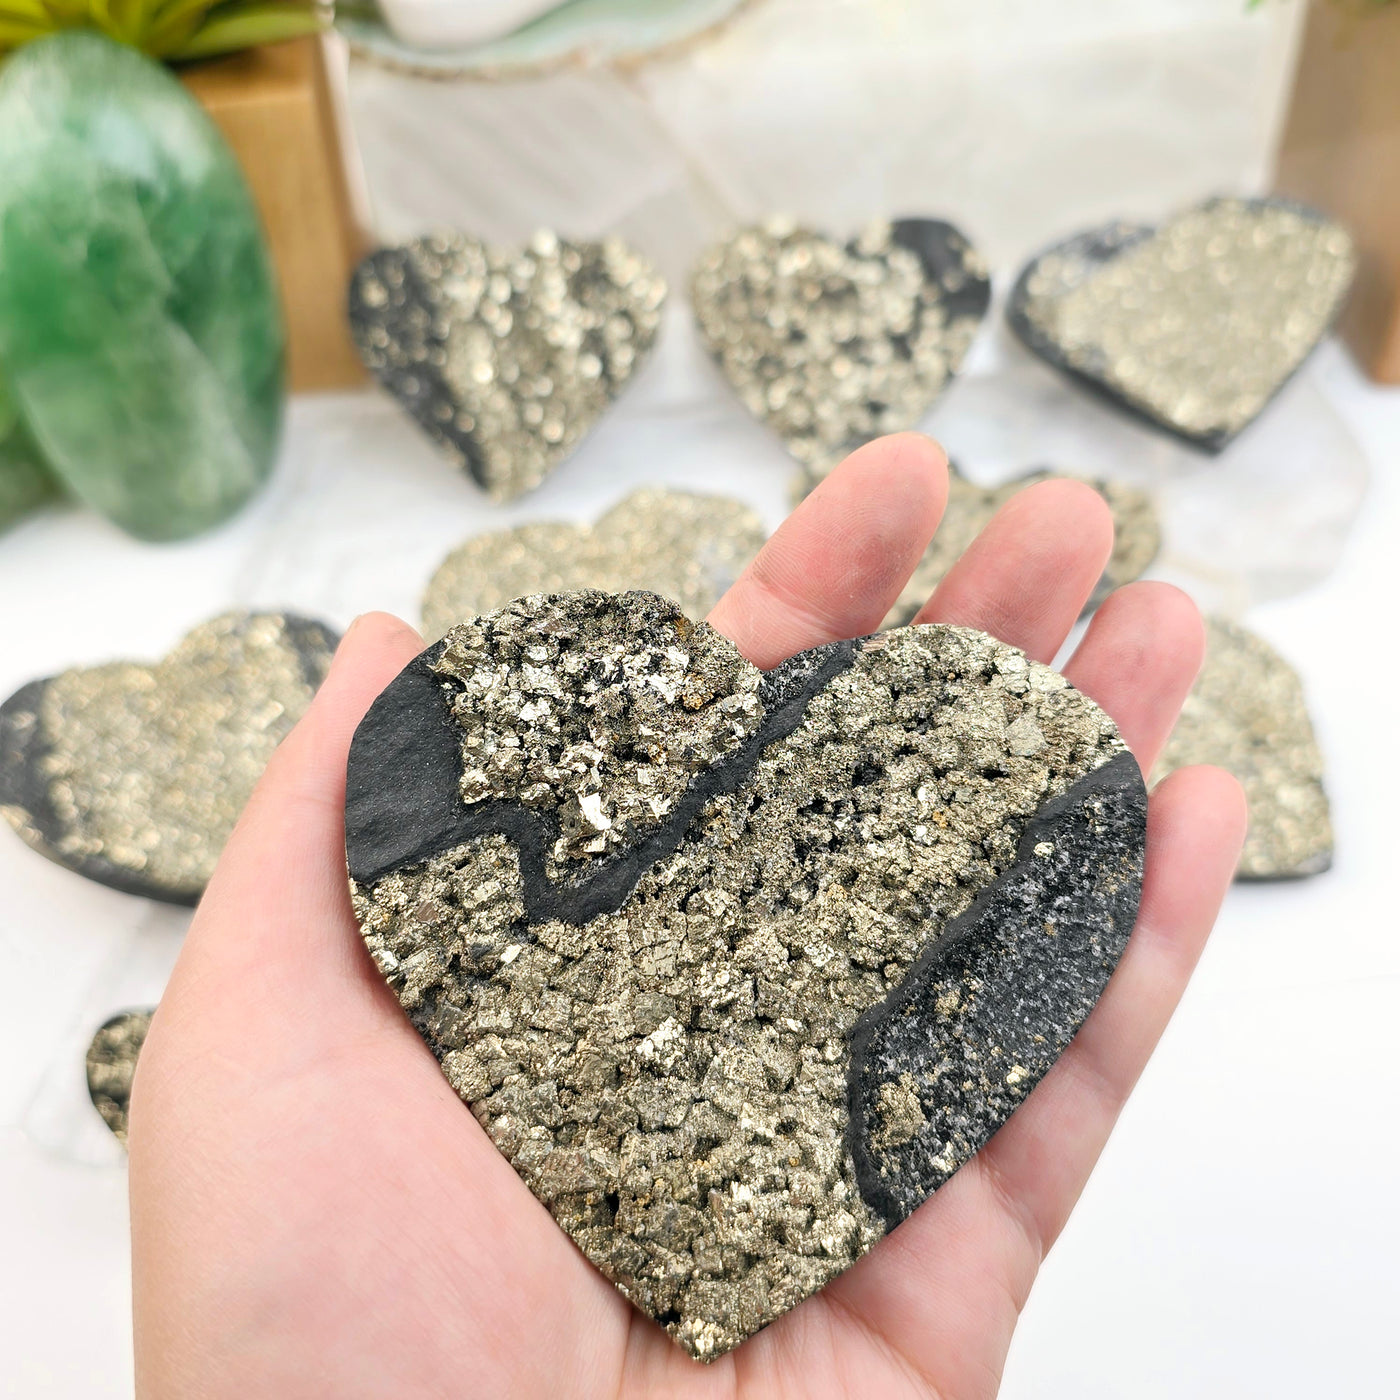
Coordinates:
69	12
30	10
174	23
167	11
14	32
129	19
169	37
241	26
178	31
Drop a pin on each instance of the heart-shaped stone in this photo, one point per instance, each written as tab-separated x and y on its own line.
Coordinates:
1197	324
683	546
1137	535
134	774
111	1065
736	968
505	357
1247	714
832	344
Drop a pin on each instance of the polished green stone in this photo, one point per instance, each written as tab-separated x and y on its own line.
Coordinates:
141	337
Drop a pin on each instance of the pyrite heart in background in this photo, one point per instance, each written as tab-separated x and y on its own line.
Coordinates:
111	1065
505	357
687	547
1248	715
1197	324
1137	535
134	774
736	968
833	344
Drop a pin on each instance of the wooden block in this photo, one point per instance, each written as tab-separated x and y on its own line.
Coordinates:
276	106
1341	152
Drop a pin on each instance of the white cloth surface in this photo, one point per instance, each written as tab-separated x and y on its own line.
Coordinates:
1239	1236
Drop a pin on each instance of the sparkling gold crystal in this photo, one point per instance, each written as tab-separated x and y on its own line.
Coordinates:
540	709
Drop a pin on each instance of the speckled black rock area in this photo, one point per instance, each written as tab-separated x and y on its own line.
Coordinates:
133	774
736	968
1193	326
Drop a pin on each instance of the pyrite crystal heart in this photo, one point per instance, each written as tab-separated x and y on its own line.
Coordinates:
687	547
833	344
505	357
737	967
134	774
1196	325
1247	713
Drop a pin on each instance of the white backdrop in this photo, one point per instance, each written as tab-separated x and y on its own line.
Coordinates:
1239	1236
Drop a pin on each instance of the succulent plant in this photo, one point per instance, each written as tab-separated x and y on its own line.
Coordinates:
177	31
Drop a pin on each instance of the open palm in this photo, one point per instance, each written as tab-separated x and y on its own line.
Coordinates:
314	1211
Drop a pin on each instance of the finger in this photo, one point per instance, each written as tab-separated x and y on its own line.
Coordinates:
1026	577
836	565
1139	659
284	865
966	1258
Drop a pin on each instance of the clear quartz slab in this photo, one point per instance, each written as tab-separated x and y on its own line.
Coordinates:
1264	519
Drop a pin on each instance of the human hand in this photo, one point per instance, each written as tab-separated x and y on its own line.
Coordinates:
315	1212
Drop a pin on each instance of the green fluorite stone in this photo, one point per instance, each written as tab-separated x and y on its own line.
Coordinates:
141	338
